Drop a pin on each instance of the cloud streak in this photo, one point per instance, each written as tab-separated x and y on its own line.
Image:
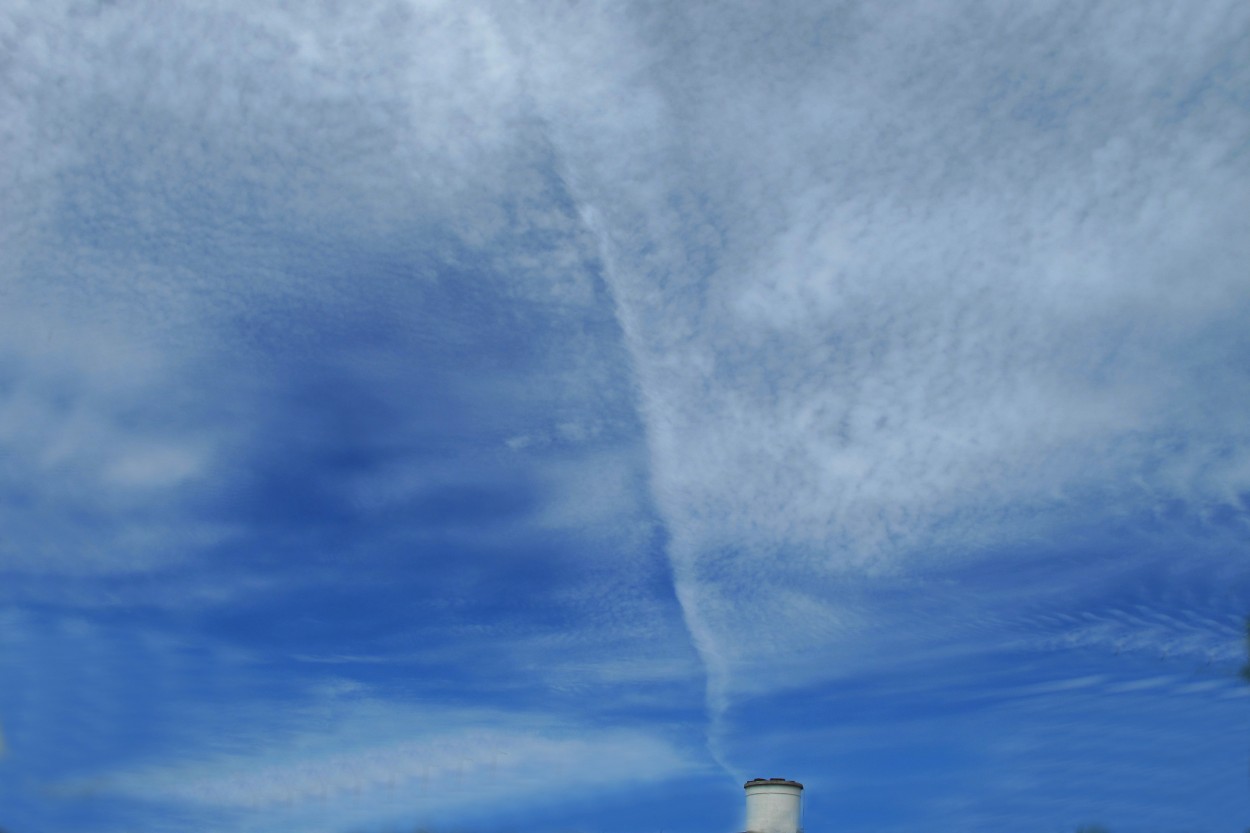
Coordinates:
328	781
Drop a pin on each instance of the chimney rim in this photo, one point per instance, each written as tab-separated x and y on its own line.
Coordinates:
771	782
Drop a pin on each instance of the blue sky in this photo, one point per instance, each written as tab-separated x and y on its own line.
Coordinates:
546	416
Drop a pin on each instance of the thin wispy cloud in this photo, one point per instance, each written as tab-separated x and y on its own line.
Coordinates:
445	766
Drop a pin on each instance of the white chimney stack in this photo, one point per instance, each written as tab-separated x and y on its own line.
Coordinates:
774	805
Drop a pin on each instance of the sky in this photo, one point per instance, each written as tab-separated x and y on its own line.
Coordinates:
477	417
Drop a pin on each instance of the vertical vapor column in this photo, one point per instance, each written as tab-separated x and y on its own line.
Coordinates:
774	805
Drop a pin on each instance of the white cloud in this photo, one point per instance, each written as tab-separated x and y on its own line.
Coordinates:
900	286
444	764
190	191
908	285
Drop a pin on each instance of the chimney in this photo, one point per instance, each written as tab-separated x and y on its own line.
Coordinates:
773	805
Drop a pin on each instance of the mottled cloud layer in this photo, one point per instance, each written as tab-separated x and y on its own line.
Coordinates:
307	363
511	360
907	287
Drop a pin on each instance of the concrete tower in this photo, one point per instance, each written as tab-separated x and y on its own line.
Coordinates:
774	805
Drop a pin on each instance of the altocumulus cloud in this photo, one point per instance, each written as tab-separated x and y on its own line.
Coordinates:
301	330
588	376
913	286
